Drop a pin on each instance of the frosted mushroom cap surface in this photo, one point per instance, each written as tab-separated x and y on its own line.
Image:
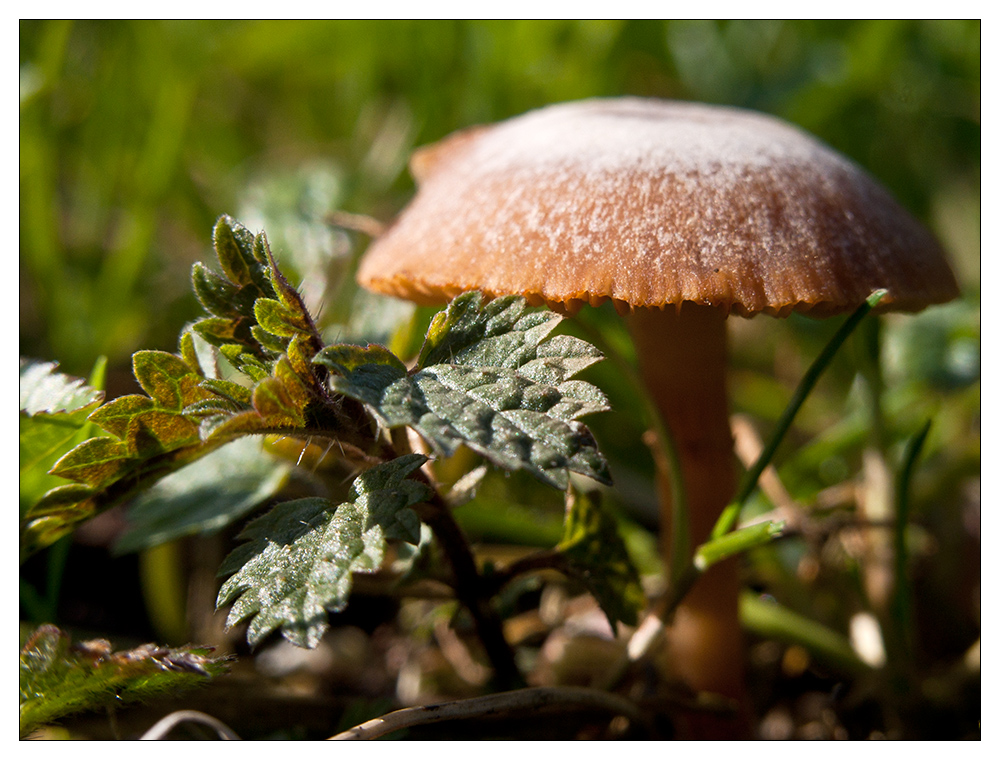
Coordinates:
651	203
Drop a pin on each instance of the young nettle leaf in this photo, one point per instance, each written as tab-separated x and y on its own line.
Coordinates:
278	320
238	255
244	362
58	678
159	431
217	294
239	395
150	437
115	415
487	377
268	340
55	514
222	332
227	398
95	462
278	404
595	554
168	379
298	560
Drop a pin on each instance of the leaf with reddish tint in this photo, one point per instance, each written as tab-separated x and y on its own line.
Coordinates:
157	431
95	462
115	415
273	401
160	374
278	320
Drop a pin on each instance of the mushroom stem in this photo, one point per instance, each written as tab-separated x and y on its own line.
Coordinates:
682	359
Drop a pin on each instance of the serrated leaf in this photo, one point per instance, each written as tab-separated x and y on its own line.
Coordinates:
300	352
61	498
223	427
299	558
95	462
467	325
216	294
234	392
54	410
157	431
246	363
239	253
54	515
218	331
167	379
596	555
268	341
58	678
205	496
349	359
115	415
232	250
42	389
487	377
279	320
275	401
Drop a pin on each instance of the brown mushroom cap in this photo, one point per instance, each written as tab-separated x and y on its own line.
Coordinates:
650	203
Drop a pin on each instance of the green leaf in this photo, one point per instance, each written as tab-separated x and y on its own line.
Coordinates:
231	246
299	558
58	678
487	377
238	394
205	496
276	402
95	462
242	256
218	331
167	379
274	317
217	295
267	340
596	555
42	389
55	515
115	415
157	431
244	362
349	360
53	419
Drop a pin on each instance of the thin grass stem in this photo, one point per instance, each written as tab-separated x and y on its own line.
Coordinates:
731	514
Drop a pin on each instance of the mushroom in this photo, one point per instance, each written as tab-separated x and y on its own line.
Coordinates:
681	214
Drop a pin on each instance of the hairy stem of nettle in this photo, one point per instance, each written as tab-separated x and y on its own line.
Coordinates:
472	591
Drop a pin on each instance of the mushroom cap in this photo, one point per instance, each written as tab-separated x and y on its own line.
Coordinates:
649	203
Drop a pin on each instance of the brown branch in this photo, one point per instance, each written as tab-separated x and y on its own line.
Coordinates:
567	698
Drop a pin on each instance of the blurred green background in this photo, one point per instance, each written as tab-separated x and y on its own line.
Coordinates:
136	135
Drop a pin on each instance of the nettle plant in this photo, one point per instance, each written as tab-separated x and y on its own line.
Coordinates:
490	377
